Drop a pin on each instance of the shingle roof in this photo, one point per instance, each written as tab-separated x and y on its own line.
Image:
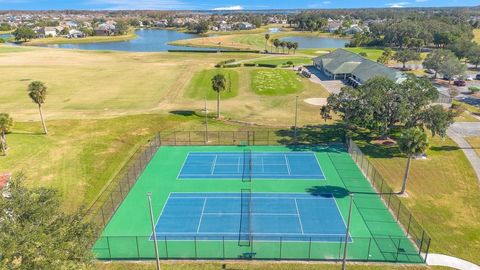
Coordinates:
342	61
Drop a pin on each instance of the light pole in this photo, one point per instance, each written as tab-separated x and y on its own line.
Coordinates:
296	118
344	263
206	121
149	195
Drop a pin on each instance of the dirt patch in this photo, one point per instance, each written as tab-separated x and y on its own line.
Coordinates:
387	142
316	101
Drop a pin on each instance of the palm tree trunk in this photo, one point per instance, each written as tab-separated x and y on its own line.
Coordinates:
218	105
3	143
43	120
405	178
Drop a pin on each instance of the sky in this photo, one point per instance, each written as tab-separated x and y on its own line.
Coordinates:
222	4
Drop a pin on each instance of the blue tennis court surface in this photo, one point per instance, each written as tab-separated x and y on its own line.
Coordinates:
261	165
217	216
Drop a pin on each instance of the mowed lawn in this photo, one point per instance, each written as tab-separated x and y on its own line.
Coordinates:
273	82
474	143
282	61
476	33
442	193
201	84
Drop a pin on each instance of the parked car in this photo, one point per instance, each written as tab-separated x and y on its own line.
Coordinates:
477	77
469	78
460	83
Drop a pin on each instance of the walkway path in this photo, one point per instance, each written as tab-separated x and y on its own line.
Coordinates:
458	131
456	263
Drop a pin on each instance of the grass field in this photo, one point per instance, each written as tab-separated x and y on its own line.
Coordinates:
476	33
201	84
475	143
281	61
90	39
275	82
97	139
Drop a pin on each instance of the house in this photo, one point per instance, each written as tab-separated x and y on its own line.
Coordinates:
223	26
354	29
333	26
47	32
105	29
74	33
245	26
353	68
161	23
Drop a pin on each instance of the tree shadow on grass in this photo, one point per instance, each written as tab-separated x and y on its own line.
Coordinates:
444	148
328	191
183	112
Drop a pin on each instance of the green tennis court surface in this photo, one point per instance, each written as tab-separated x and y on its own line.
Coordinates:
287	213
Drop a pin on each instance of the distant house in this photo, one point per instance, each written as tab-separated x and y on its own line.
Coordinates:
353	69
105	29
44	32
354	29
161	23
74	33
71	24
333	26
245	26
224	27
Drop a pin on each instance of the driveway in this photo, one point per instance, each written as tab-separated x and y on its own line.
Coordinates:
332	86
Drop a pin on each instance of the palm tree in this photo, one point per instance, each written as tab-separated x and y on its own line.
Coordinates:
219	84
412	142
295	47
283	44
276	43
289	46
37	91
325	113
6	122
267	37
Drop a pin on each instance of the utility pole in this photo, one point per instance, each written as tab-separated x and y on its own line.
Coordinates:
344	263
149	195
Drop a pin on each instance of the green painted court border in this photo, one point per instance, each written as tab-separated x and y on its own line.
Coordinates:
122	239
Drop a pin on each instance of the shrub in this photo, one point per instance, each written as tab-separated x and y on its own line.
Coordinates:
232	65
364	54
2	40
223	63
249	65
474	89
267	65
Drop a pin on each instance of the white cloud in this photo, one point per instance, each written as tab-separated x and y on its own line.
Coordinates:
398	4
229	8
326	2
139	4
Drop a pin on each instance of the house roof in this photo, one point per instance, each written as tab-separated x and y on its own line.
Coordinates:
342	61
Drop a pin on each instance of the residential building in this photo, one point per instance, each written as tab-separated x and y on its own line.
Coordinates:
353	68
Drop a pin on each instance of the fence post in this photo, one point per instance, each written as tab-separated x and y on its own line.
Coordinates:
175	137
223	246
369	245
109	250
408	227
399	207
190	138
138	249
166	248
280	248
310	249
421	243
195	243
426	251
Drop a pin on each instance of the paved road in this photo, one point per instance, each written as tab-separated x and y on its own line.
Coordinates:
458	131
332	86
456	263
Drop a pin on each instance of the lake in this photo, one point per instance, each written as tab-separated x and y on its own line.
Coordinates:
5	36
317	42
148	40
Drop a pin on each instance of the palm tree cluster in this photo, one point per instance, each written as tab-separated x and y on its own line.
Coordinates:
284	44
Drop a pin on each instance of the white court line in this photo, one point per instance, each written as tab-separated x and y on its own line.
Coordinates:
238	165
298	214
264	198
263	167
288	165
213	165
201	215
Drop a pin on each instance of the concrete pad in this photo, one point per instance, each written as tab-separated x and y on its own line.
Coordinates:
456	263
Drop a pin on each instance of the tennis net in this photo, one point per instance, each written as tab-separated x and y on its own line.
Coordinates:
245	233
247	166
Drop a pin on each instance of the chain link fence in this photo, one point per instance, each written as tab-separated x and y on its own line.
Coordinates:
410	225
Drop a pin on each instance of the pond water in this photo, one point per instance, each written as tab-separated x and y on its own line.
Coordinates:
148	40
317	42
5	36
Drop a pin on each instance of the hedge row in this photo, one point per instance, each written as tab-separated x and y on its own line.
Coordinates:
267	65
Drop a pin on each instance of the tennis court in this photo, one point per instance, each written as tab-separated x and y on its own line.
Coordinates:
212	216
204	209
260	165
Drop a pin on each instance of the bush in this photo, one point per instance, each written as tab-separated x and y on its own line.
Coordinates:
474	89
267	65
224	63
2	40
289	63
249	65
232	65
364	54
